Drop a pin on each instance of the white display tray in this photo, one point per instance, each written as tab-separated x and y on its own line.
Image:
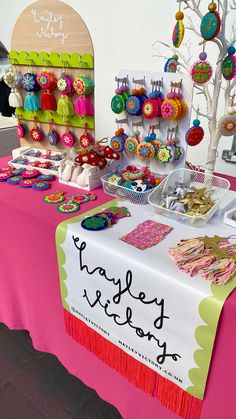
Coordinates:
228	218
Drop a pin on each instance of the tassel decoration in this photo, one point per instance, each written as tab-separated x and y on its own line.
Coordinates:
65	107
48	101
213	258
84	106
15	100
31	102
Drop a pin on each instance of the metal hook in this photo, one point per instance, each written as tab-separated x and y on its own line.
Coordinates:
139	81
137	123
122	121
123	80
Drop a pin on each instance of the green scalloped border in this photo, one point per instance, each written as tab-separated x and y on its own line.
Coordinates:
46	116
209	310
52	59
60	236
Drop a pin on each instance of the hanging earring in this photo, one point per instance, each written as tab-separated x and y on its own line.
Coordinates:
152	105
65	107
178	32
135	102
210	24
122	93
67	137
195	134
201	71
21	129
227	123
84	87
13	79
166	153
36	133
52	136
48	82
229	64
30	84
86	140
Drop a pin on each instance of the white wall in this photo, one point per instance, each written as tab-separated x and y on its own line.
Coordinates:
123	34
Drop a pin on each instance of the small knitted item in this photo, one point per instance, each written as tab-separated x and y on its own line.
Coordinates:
68	207
14	180
41	186
227	125
166	154
145	151
54	198
131	146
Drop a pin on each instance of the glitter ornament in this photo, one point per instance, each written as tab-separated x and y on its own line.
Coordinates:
210	24
229	64
201	71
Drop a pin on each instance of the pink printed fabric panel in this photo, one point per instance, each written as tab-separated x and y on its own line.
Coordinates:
147	234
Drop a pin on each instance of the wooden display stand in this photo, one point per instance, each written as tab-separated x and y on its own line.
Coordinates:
50	35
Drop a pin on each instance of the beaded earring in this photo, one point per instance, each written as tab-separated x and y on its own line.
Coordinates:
84	87
118	101
210	24
201	70
229	64
195	134
178	32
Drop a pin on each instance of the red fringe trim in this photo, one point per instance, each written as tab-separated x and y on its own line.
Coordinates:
169	394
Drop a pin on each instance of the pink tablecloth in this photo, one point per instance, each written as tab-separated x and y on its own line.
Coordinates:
30	299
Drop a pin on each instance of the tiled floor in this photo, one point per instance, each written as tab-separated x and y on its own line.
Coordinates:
36	385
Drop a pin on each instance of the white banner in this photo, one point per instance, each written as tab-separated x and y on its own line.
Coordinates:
138	299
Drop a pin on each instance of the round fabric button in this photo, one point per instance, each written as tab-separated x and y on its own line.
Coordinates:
27	183
41	186
29	173
54	198
46	178
14	180
95	223
68	207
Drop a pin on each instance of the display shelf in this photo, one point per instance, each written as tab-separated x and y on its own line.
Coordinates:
52	59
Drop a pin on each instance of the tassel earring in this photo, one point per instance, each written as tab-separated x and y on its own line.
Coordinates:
30	84
65	107
48	82
84	86
13	80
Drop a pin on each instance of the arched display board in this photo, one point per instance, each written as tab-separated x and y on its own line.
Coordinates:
50	34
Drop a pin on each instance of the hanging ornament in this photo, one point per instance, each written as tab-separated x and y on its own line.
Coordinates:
84	86
227	123
195	134
21	129
30	84
117	142
13	79
229	64
67	137
52	136
47	81
86	140
131	146
201	70
166	154
152	105
135	102
178	32
210	25
171	64
36	133
65	107
145	151
122	93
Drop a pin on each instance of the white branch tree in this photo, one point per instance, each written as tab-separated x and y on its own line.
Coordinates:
210	91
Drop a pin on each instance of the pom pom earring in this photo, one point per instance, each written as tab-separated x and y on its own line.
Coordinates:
48	82
30	84
13	80
65	107
84	86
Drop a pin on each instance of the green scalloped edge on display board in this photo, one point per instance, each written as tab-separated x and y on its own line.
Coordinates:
47	116
61	231
209	310
52	59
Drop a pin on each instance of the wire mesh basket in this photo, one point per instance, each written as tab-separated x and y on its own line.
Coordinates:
216	186
119	191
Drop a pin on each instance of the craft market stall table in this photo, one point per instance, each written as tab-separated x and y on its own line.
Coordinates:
30	299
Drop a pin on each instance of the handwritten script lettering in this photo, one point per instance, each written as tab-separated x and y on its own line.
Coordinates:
98	300
51	25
